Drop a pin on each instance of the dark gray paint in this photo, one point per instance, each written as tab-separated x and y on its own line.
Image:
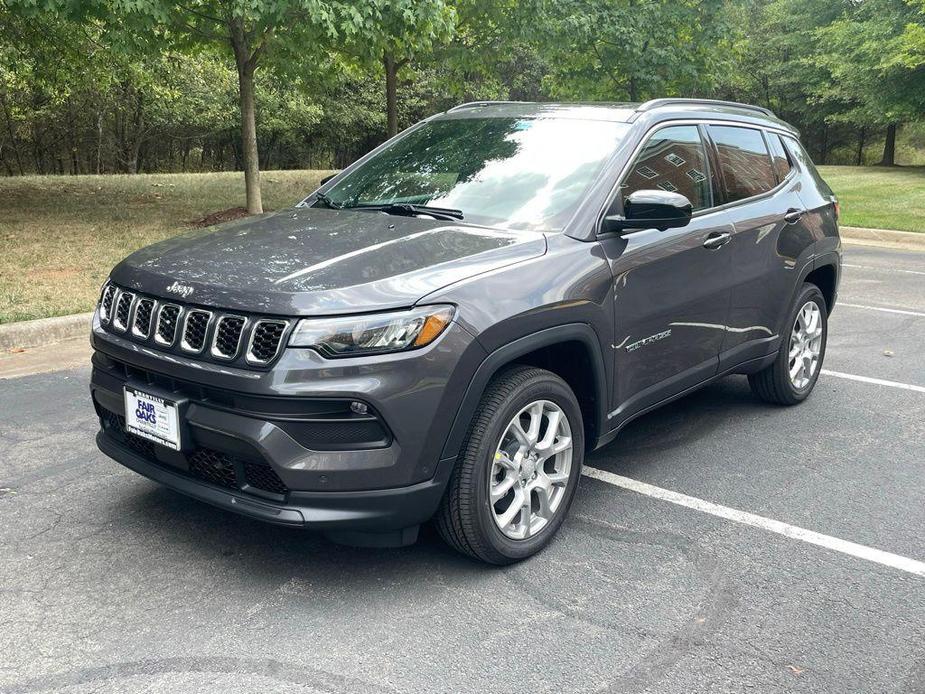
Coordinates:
509	287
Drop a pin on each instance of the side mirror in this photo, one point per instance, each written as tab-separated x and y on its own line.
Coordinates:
650	209
326	179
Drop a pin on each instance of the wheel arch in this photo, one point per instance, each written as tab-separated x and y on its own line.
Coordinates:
563	350
824	274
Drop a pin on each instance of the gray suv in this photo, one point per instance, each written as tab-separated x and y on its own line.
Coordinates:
447	327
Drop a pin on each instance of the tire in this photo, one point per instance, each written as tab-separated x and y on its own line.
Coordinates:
774	383
467	518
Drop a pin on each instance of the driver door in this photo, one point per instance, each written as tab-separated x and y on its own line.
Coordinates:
672	288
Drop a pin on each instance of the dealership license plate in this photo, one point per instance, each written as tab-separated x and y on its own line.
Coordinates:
152	418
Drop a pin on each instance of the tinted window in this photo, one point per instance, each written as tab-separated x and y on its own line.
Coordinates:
778	156
744	161
521	173
673	159
797	151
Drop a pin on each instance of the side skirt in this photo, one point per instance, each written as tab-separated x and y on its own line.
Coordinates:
751	366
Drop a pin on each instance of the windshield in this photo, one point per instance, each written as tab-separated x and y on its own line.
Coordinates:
517	173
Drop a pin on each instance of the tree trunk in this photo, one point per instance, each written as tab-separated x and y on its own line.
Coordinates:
391	95
889	147
12	134
244	60
99	142
862	136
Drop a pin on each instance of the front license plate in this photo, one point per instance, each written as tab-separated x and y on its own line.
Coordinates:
152	417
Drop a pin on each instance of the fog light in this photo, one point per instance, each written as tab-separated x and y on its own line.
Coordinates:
359	407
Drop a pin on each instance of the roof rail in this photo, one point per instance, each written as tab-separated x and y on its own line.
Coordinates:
480	104
656	103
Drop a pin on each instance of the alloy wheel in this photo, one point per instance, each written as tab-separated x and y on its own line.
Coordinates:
530	470
805	345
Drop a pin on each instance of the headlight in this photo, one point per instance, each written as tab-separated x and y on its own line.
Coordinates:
372	334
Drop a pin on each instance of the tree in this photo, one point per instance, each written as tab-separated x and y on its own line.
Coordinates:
873	57
631	49
392	33
248	30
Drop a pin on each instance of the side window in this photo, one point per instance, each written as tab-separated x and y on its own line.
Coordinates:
778	156
798	153
673	159
744	161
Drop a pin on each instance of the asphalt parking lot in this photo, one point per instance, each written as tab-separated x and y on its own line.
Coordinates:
109	583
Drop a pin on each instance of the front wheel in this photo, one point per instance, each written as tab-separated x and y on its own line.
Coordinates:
790	379
518	469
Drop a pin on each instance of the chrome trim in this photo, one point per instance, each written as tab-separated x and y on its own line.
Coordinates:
214	351
157	325
249	355
122	327
135	331
109	286
205	338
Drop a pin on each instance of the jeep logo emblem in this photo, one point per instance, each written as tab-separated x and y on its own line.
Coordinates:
181	289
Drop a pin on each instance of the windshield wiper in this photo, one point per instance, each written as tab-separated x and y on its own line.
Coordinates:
327	202
409	210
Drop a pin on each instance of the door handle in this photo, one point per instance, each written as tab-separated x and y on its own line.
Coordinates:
717	239
793	215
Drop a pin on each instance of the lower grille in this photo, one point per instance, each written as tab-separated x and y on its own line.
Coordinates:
213	467
205	464
264	477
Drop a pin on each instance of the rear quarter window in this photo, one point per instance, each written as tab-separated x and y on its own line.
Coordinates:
744	161
799	154
779	156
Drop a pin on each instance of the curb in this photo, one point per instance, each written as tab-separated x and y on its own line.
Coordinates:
885	238
34	333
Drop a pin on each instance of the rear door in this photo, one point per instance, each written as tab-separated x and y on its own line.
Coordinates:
671	288
769	241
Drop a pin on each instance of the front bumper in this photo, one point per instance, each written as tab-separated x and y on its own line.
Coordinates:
278	445
382	513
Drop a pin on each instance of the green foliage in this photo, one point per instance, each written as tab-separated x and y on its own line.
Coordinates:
146	85
632	49
870	57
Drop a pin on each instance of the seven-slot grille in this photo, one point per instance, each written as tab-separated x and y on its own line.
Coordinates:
195	327
222	337
167	325
265	341
141	326
123	310
109	293
227	337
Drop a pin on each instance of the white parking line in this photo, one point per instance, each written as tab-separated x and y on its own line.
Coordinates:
853	549
880	308
883	269
875	381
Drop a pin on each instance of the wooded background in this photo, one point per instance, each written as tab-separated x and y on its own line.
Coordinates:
93	86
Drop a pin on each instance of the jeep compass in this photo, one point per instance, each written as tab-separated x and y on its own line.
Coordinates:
444	329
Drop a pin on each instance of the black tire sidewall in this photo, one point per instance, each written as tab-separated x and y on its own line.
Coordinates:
551	388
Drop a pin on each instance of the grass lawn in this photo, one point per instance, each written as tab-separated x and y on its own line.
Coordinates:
879	198
60	235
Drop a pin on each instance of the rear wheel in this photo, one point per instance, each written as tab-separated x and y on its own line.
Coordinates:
518	469
790	379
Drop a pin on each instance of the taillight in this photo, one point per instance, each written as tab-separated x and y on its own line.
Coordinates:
837	208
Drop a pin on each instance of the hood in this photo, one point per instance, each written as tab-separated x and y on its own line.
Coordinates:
310	261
